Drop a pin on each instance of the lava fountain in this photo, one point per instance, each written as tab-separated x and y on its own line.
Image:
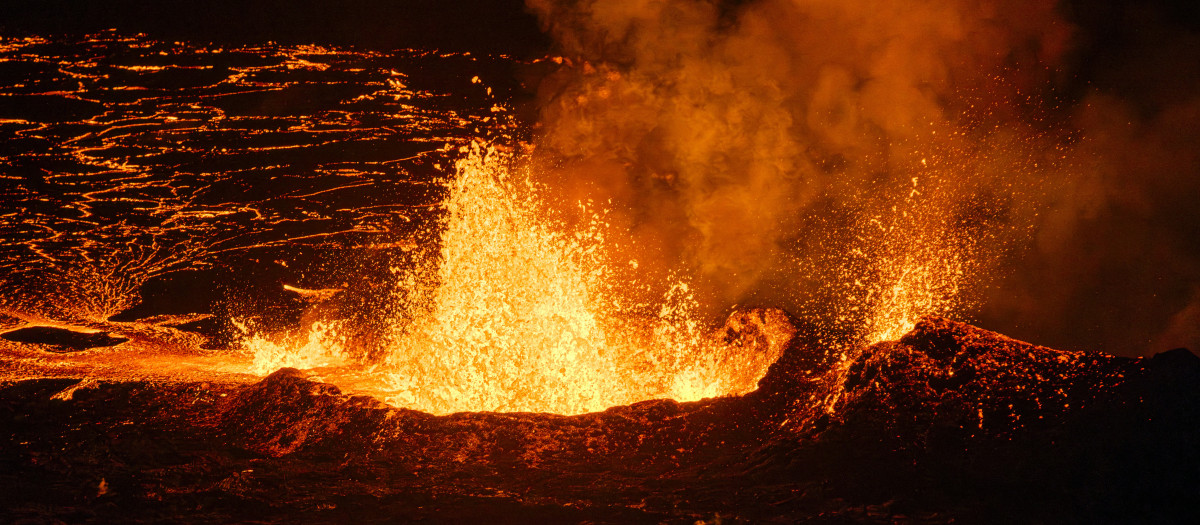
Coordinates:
908	263
515	311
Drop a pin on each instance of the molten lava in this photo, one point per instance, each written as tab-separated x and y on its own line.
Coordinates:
515	312
909	263
512	304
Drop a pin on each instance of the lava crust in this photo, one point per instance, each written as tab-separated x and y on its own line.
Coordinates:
951	423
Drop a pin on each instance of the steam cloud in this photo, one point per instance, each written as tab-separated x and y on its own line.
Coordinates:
741	140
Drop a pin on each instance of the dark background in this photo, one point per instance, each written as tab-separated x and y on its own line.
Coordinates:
499	26
481	25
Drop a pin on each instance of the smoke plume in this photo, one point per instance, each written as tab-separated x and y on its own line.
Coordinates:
746	141
1115	263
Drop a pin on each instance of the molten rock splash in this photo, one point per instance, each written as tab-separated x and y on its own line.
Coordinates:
517	312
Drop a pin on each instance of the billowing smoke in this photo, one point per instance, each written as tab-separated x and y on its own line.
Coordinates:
1116	260
745	141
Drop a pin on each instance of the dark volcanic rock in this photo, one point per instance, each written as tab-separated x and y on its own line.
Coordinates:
954	419
951	423
61	339
947	376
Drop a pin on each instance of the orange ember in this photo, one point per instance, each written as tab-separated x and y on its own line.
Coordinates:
515	312
913	262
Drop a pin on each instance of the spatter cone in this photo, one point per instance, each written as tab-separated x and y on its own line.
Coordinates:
950	423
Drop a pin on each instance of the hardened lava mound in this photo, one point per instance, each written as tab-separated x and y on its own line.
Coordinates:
951	423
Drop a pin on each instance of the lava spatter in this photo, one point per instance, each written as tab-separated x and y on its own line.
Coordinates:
515	312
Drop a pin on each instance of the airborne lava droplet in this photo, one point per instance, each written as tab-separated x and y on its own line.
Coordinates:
516	312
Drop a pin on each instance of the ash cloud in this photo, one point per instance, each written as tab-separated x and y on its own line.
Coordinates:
743	141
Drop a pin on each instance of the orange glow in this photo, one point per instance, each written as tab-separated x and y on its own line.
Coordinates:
907	263
518	313
515	307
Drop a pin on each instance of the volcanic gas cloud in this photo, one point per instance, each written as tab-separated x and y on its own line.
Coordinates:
747	141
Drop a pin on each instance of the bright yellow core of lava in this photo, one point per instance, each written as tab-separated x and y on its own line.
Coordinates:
519	313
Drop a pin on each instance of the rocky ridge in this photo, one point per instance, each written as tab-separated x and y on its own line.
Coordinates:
951	423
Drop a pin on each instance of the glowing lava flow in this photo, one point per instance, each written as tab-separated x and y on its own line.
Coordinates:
516	313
